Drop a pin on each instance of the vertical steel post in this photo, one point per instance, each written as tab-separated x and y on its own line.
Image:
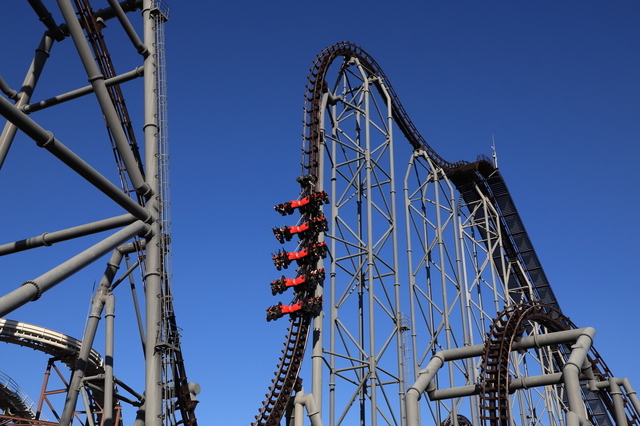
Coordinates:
317	361
153	278
370	271
333	310
99	301
110	314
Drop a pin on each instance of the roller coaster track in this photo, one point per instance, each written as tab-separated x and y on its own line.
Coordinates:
13	400
468	178
464	174
58	345
51	342
509	324
512	323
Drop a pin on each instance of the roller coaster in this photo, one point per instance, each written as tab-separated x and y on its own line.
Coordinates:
417	290
466	330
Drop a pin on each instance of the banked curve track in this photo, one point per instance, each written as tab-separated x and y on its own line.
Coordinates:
464	174
50	342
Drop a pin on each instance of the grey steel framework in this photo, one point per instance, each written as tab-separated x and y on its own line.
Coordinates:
436	308
137	236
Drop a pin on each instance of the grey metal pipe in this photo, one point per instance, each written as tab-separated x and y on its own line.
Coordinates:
99	300
78	373
415	391
87	407
153	279
437	361
618	403
89	385
110	314
23	98
574	419
127	274
129	389
126	5
47	19
514	385
308	401
136	306
624	382
633	396
45	139
4	88
33	289
128	28
140	416
131	247
83	91
49	238
298	415
571	371
102	95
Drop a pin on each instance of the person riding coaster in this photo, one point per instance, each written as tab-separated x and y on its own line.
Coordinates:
311	306
282	259
304	282
310	203
307	231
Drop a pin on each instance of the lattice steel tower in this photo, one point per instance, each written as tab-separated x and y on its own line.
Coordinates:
436	309
133	226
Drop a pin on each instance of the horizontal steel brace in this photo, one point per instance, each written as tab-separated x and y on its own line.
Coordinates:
83	91
49	238
33	289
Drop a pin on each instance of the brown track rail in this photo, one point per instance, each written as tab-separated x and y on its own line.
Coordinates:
287	375
510	323
465	175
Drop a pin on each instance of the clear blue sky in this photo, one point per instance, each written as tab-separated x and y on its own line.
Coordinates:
556	82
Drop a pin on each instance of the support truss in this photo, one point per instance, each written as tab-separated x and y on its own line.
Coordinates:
447	274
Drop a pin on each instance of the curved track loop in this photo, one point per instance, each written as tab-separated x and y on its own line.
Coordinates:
508	325
511	323
317	87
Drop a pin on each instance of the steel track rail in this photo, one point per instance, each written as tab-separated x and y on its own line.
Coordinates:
287	374
508	325
51	342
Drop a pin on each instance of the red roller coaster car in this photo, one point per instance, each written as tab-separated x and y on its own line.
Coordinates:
306	281
311	306
282	259
308	230
311	202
